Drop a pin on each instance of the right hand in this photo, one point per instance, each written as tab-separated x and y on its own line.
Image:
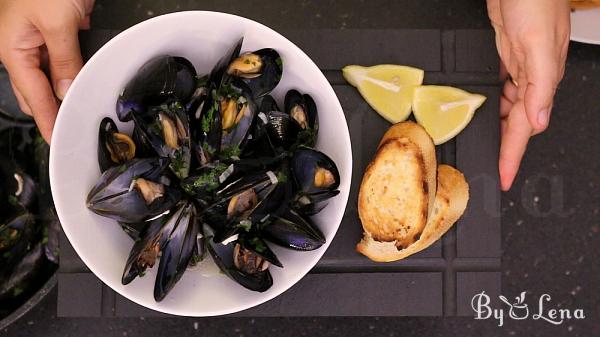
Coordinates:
39	38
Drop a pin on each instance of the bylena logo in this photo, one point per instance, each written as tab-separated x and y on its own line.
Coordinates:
519	310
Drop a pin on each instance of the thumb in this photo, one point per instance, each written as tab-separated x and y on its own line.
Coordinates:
64	56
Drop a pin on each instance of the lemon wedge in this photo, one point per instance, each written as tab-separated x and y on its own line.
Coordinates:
387	88
444	111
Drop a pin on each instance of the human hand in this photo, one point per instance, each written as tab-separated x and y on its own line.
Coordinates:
532	37
40	37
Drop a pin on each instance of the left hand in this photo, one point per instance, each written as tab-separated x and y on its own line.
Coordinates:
532	37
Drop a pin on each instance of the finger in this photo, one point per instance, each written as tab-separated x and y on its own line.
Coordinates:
64	56
32	83
542	69
503	73
21	100
515	136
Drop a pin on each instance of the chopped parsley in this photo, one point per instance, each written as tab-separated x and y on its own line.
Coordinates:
13	200
231	152
258	245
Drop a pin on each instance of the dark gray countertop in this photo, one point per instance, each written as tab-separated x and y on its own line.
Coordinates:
543	252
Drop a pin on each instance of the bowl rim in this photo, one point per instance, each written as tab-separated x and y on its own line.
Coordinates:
346	176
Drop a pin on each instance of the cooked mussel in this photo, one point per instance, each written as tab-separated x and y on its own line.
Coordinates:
316	177
159	79
237	111
245	266
114	147
133	192
15	238
173	238
261	70
146	248
303	110
238	200
177	249
294	231
167	129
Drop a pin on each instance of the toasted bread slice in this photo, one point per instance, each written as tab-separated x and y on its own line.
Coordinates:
417	134
450	203
393	200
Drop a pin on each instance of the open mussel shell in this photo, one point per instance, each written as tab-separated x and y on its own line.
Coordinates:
238	201
177	249
225	255
146	248
261	70
254	243
22	278
133	192
157	80
167	129
114	148
295	231
314	171
303	110
219	71
237	110
15	238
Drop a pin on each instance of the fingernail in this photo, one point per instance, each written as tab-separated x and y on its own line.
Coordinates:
543	117
62	87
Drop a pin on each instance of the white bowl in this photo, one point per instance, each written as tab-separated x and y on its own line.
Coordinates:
202	37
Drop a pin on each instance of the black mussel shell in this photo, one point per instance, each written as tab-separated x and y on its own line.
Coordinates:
294	231
303	110
159	79
259	141
22	278
282	130
133	230
314	171
167	129
223	257
146	248
238	112
15	238
219	71
268	104
114	148
117	196
177	249
261	70
143	148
